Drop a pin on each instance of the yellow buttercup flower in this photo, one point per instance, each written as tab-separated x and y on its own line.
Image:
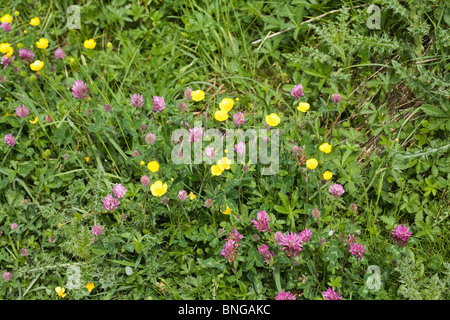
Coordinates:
5	47
303	106
90	286
87	159
192	196
7	18
153	166
142	163
327	175
42	43
10	52
90	44
158	188
60	292
273	119
35	22
226	104
216	170
220	115
197	95
34	121
37	65
312	163
224	163
325	147
227	210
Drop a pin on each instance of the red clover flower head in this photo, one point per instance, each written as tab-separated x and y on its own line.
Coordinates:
60	54
182	195
305	235
137	100
195	134
238	118
401	235
110	203
330	294
145	181
6	26
119	191
158	104
97	230
266	253
357	249
291	243
80	90
22	111
336	98
297	91
26	55
285	295
337	190
9	140
262	222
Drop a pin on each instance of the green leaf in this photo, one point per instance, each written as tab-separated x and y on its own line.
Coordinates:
281	209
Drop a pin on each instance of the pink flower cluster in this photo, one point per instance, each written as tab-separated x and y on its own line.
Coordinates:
285	295
109	202
195	134
297	91
182	195
401	235
97	230
9	140
264	250
22	111
137	100
262	222
330	294
231	245
80	90
355	248
158	104
337	190
290	242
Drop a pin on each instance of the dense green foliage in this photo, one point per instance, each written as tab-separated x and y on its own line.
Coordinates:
390	138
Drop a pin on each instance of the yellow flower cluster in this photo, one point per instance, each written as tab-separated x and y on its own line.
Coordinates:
7	18
158	188
312	163
222	165
197	95
227	210
35	22
273	119
60	292
42	43
153	166
6	49
90	44
303	106
37	65
225	106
